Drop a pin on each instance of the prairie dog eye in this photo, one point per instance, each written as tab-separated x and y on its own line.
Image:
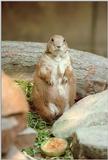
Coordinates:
64	40
52	40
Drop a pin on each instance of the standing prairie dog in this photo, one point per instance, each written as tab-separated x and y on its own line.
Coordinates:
54	89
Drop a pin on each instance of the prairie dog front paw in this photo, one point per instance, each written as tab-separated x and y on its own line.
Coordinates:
67	75
50	82
49	78
64	80
46	76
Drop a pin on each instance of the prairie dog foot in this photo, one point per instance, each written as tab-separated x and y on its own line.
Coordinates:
45	74
50	82
53	108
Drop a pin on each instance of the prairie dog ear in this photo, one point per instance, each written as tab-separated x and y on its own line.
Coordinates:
47	46
47	49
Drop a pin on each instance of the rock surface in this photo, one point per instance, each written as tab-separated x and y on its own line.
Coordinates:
15	154
11	126
25	138
89	119
11	148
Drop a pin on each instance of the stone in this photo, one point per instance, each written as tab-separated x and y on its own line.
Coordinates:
8	122
88	118
27	131
11	126
90	111
25	138
90	143
15	154
6	141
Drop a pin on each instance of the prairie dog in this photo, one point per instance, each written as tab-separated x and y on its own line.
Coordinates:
54	89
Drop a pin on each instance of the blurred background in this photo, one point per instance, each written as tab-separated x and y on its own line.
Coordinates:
83	24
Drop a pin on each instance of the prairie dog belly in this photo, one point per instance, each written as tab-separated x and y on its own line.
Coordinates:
59	90
63	90
63	63
53	93
60	63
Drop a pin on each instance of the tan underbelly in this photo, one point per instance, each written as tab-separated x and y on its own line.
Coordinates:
59	90
53	93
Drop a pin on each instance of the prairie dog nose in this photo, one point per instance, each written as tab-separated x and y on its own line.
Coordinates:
58	46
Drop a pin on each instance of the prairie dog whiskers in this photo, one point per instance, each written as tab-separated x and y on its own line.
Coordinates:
54	88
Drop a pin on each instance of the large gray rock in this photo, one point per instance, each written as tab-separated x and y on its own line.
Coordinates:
89	119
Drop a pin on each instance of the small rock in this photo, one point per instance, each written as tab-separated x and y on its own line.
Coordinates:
15	154
11	126
6	141
9	122
25	138
27	131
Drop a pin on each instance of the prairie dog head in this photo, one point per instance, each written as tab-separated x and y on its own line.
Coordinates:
57	45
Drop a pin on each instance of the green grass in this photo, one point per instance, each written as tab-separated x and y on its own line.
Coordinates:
26	87
44	132
42	128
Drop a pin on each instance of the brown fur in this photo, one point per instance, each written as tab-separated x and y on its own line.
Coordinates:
44	92
40	100
13	98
